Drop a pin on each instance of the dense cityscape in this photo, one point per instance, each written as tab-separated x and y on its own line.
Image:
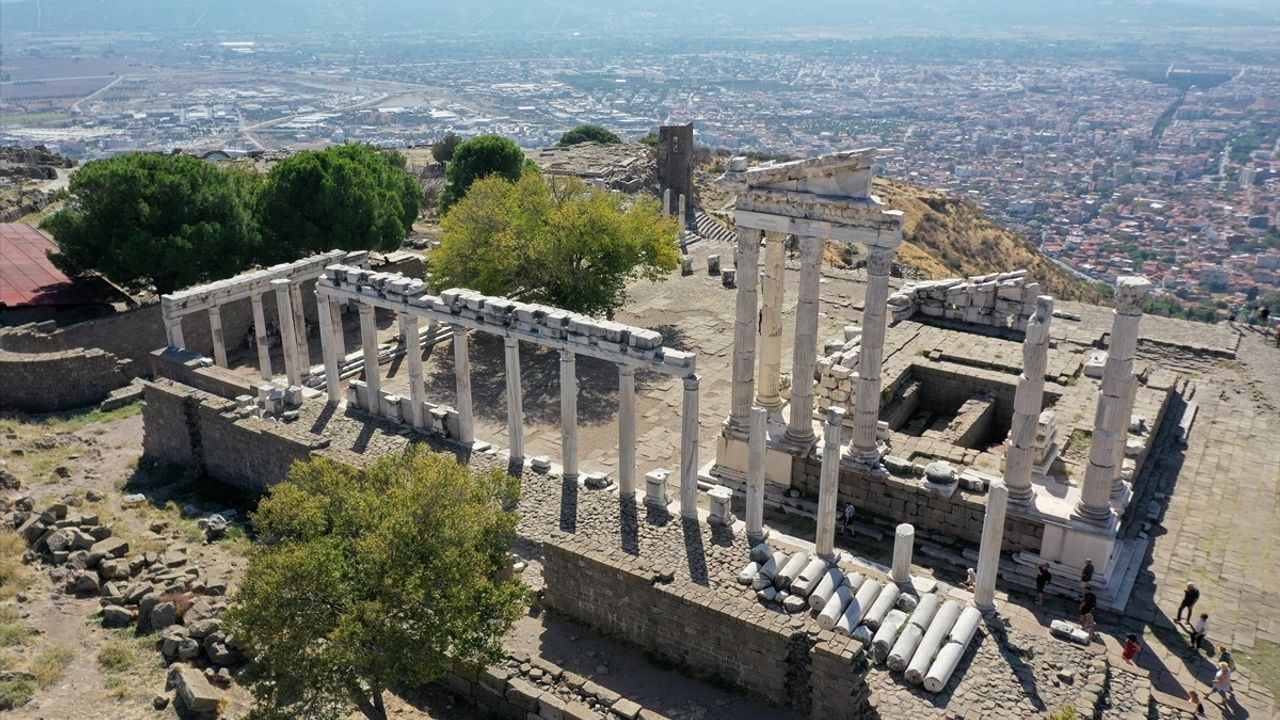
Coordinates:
1111	166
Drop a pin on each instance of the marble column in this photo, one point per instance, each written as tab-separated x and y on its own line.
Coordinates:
369	345
805	353
173	329
215	332
412	342
829	485
744	333
1027	403
682	209
300	325
462	386
756	446
989	551
331	346
666	201
515	399
904	541
1125	418
626	430
260	336
768	378
1108	427
284	304
569	414
864	447
689	449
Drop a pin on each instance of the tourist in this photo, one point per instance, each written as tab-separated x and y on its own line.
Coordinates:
1224	655
1197	707
1088	602
1131	648
846	518
1231	316
1087	573
1222	681
971	579
251	338
1200	630
1042	578
1189	599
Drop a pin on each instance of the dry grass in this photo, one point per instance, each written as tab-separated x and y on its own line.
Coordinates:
50	665
14	577
13	631
117	655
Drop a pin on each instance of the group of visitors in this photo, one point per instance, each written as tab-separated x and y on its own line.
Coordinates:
1252	316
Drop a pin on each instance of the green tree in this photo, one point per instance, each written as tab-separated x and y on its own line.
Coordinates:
346	197
589	133
1272	300
443	150
479	158
559	243
372	579
1165	305
147	220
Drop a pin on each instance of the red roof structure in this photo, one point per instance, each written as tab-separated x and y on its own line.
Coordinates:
29	279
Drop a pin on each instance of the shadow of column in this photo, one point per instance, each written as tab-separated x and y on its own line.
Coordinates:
629	526
695	551
569	505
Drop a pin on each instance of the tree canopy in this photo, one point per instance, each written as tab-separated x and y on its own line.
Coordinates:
443	150
348	197
167	221
371	579
589	133
478	158
560	243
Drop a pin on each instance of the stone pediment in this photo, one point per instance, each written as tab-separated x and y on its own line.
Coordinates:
843	175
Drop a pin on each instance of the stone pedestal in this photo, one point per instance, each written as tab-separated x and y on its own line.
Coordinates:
1021	448
804	355
626	430
904	538
770	374
655	488
756	444
1109	427
989	550
515	400
569	414
864	447
744	332
689	449
829	485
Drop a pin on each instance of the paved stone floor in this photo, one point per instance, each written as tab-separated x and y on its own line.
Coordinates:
1219	530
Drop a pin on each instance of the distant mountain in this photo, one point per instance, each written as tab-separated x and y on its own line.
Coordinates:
621	16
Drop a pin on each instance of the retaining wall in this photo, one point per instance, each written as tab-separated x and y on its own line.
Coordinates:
54	381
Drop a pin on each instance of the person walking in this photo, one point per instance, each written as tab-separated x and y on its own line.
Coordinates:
1042	579
1199	631
1224	655
1088	602
1222	681
846	519
1189	599
1086	575
1193	698
1131	648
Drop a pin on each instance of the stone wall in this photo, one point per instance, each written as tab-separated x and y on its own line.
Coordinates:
1003	300
903	499
682	623
55	381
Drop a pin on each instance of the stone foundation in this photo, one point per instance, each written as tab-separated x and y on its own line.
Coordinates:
55	381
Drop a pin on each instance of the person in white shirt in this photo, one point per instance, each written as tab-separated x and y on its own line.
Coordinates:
1200	630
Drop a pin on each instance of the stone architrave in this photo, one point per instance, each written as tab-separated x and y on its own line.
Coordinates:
369	349
569	414
215	331
332	345
864	447
462	385
989	550
829	487
689	449
756	446
769	378
413	350
260	336
626	431
744	332
1027	402
284	303
1108	427
805	352
515	399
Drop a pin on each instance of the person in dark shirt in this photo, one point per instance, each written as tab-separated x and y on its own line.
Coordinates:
1088	602
1189	599
1042	578
1086	575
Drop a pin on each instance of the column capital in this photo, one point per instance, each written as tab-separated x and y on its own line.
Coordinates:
567	356
691	381
879	260
279	284
810	246
1131	292
835	417
626	370
365	308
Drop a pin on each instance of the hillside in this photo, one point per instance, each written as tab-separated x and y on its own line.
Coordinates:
946	237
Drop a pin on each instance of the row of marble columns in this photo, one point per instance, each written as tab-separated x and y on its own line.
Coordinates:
293	335
332	339
666	204
752	318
